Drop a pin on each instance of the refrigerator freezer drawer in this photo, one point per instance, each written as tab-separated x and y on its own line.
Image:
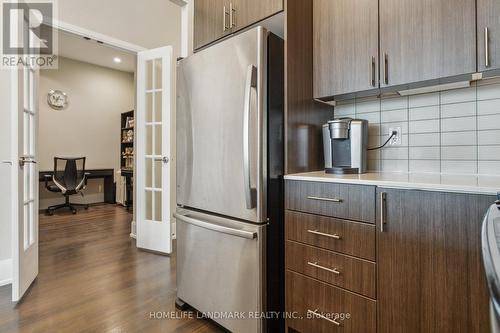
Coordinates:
220	266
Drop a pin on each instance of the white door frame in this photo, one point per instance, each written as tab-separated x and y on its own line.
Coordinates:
13	105
117	44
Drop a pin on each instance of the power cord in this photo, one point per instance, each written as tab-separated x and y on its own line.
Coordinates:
393	134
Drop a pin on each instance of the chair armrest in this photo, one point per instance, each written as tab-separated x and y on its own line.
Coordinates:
86	176
47	178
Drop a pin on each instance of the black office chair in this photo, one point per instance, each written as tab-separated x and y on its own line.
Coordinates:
69	178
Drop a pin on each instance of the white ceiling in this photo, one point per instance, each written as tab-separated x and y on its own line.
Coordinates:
77	48
150	24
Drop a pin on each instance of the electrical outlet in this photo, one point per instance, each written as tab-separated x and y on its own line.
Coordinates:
396	140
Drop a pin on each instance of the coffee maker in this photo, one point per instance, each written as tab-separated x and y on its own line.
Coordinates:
345	143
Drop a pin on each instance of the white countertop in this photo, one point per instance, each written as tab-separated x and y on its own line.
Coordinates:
481	184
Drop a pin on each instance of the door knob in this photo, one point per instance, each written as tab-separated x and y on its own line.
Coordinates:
23	160
164	159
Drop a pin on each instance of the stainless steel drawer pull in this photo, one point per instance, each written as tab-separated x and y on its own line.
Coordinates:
372	72
486	47
316	232
315	264
383	200
318	315
232	11
216	227
224	15
324	199
385	64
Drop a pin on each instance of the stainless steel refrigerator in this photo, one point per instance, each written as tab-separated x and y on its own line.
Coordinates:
230	155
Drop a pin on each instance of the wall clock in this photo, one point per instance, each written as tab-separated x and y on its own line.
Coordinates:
57	99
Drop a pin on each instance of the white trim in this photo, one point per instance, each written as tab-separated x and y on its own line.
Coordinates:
186	26
14	217
180	3
133	233
108	40
5	272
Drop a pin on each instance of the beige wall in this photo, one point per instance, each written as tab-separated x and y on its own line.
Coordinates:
5	169
151	23
90	126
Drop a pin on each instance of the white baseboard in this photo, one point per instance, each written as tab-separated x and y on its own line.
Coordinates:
5	272
133	227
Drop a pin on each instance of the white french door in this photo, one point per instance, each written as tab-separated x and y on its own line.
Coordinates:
25	181
153	120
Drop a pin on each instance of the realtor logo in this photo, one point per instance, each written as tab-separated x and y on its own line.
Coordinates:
28	34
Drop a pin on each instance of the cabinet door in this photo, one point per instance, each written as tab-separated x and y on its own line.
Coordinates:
430	276
247	12
345	46
426	39
488	38
211	21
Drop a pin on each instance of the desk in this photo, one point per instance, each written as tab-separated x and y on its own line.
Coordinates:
106	174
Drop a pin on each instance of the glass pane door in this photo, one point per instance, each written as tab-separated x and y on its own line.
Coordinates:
28	159
154	105
153	141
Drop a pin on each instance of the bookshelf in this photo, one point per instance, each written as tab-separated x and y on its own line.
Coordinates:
127	133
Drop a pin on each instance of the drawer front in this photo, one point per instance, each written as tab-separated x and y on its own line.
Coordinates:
353	274
321	308
353	202
352	238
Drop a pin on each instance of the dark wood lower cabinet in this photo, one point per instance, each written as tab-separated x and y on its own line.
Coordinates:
353	274
430	275
355	239
317	307
418	269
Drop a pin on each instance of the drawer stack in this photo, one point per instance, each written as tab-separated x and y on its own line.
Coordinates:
330	257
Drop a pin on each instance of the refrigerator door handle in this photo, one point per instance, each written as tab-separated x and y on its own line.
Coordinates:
216	227
251	82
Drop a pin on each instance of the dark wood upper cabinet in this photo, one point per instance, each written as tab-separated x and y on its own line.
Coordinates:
214	19
429	270
345	46
211	21
488	38
248	12
426	39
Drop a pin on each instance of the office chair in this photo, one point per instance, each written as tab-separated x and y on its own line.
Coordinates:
69	178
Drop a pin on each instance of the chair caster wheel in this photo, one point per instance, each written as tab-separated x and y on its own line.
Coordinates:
86	207
49	213
73	211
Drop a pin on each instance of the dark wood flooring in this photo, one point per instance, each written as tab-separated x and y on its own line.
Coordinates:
92	278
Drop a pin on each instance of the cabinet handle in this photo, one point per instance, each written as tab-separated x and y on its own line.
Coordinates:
318	315
315	264
316	232
232	11
324	199
486	47
372	74
224	14
385	64
383	200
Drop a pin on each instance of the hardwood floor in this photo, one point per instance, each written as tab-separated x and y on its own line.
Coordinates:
92	278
